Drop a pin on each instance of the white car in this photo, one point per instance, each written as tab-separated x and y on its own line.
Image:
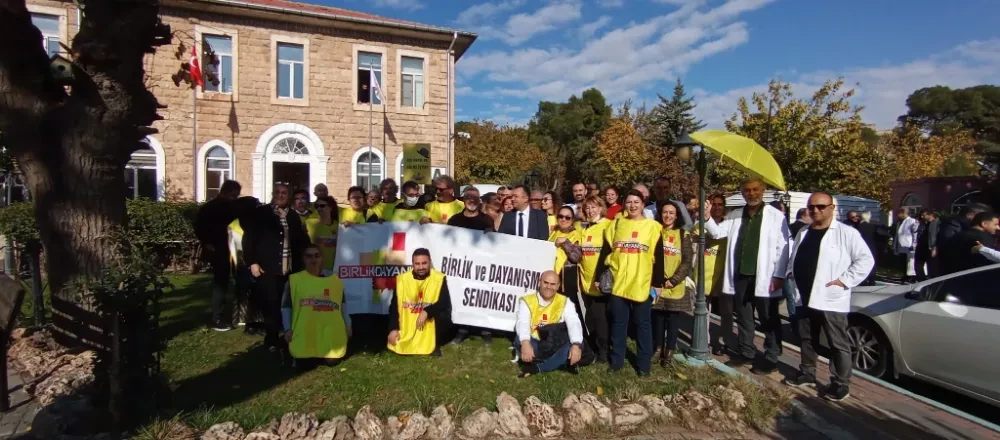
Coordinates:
944	331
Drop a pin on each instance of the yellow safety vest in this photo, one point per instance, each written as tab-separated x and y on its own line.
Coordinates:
591	241
552	222
412	297
382	210
318	328
631	259
573	237
715	261
407	215
324	236
235	242
440	212
671	261
350	215
542	316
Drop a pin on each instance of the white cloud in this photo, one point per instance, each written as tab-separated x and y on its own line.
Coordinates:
464	90
883	89
588	30
519	28
610	3
400	4
622	62
483	11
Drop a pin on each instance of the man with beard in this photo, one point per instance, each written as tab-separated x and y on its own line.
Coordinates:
269	243
420	310
756	259
471	217
388	200
444	206
579	194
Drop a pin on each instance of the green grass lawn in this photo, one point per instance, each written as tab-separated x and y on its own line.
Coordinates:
216	377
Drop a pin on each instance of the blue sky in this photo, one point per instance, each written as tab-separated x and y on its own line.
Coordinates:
530	50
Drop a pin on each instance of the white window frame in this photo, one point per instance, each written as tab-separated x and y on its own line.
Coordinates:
203	165
424	109
199	32
159	157
286	39
356	160
59	13
386	73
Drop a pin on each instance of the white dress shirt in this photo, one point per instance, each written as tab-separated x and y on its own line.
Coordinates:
524	216
568	315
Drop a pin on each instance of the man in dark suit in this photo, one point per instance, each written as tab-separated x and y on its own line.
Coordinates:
272	247
869	235
524	221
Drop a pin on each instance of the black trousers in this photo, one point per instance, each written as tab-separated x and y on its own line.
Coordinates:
722	305
810	322
598	326
767	310
269	290
665	321
220	288
371	332
924	258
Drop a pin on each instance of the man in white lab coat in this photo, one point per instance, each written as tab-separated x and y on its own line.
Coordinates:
756	259
828	260
905	243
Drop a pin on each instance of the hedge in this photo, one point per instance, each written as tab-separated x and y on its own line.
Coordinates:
164	227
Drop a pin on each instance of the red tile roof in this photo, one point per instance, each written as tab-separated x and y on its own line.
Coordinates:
328	10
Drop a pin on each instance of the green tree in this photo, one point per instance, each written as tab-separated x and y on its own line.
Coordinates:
674	115
941	110
567	133
495	154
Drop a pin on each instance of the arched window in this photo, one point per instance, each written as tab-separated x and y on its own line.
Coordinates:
964	200
141	175
368	162
218	169
290	145
913	204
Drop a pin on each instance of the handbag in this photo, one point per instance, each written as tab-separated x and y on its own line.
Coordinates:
606	281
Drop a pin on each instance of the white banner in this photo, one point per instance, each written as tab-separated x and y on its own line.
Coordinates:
487	273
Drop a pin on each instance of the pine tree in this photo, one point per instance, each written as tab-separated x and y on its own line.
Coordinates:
674	115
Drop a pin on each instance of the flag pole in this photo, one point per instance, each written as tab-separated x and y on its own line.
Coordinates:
371	101
194	141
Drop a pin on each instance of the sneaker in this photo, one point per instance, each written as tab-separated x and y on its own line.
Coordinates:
764	368
800	381
836	393
219	326
739	361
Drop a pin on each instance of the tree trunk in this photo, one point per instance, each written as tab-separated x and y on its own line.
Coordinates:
72	138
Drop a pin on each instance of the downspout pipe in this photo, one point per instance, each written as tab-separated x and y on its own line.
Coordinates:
451	123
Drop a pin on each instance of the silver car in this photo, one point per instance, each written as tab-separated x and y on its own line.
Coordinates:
943	331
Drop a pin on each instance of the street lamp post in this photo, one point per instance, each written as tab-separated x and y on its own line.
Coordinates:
699	336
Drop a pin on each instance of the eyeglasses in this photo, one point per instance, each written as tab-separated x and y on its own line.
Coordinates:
564	217
817	207
472	199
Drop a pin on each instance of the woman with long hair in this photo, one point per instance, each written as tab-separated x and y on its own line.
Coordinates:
492	206
611	199
633	252
595	304
674	299
550	204
565	236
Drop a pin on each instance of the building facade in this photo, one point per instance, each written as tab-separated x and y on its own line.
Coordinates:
945	195
294	100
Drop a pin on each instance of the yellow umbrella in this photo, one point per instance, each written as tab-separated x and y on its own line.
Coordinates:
744	153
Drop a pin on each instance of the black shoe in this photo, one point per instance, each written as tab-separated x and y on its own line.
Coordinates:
643	374
739	361
573	369
437	352
836	393
718	350
252	331
220	326
528	370
613	369
764	368
800	381
487	339
460	337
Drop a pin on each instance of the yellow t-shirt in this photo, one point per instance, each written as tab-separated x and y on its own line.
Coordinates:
632	256
573	237
412	296
383	210
318	328
440	212
350	215
407	215
591	241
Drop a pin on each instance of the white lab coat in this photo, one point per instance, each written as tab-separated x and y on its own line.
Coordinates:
844	256
906	235
772	254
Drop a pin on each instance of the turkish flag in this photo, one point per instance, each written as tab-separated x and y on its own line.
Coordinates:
195	68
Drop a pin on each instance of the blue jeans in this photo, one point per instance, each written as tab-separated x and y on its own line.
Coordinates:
640	312
553	362
788	289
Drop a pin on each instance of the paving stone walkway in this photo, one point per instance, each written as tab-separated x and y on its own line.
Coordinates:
16	422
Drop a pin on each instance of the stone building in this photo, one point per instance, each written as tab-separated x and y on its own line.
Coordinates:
293	103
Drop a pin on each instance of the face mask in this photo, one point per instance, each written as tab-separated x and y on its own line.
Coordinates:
411	201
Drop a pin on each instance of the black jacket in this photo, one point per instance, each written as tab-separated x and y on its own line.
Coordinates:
264	238
211	225
949	255
964	242
538	224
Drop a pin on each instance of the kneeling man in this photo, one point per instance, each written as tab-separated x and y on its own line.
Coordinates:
420	310
549	330
312	312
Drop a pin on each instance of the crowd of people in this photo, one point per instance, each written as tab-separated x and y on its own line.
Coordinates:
624	266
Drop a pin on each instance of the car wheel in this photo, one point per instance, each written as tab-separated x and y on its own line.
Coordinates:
870	349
